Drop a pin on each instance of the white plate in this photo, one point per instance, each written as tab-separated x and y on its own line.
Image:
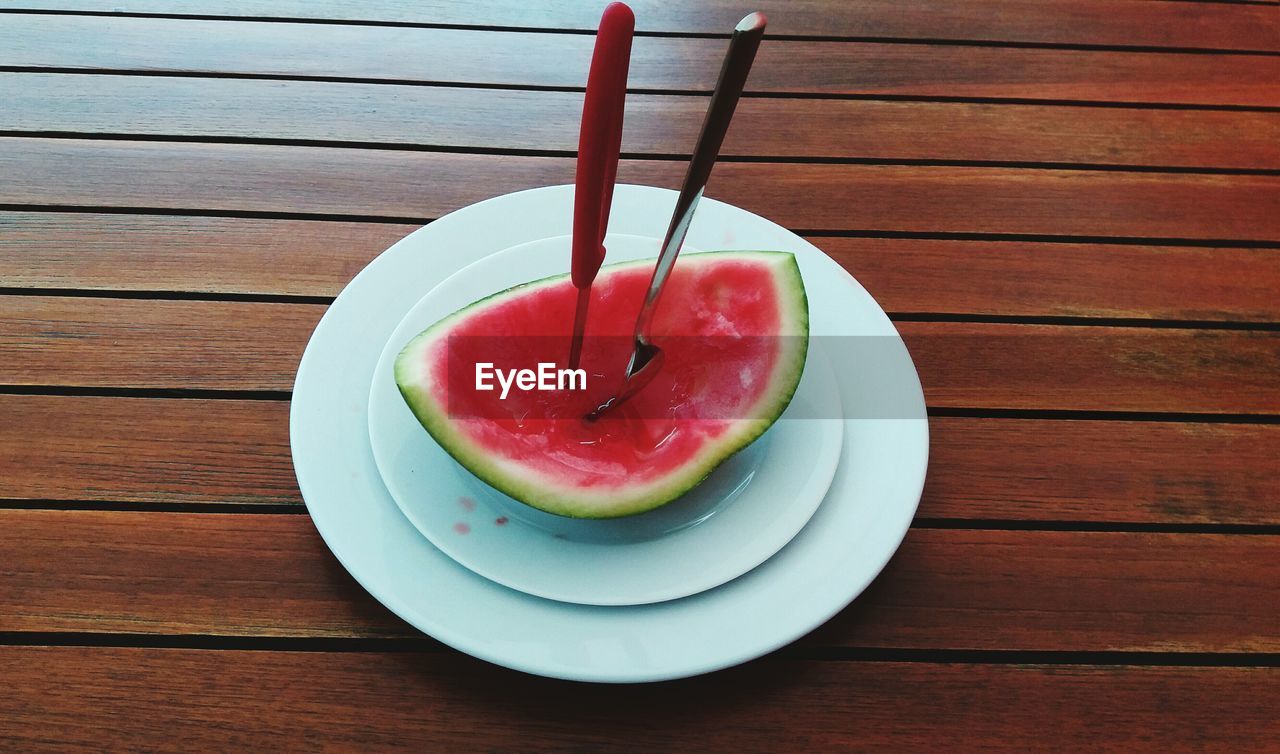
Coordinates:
855	531
744	513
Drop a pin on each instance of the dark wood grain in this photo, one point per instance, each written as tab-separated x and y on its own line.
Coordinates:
145	450
176	344
1098	22
1146	472
247	575
268	178
270	575
459	117
1040	590
214	452
1086	368
128	252
1083	280
204	254
180	700
661	63
74	341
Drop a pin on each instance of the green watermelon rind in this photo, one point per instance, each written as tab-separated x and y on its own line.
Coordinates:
542	492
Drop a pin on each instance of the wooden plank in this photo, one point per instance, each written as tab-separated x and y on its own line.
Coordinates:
75	341
184	700
1040	279
145	450
270	575
664	63
1012	589
1089	368
181	573
268	178
186	451
205	254
1146	472
316	258
156	344
463	118
1100	22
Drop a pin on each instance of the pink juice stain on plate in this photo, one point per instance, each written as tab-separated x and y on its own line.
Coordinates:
468	504
462	528
501	521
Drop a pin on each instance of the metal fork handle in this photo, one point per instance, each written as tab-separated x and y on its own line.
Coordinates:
733	76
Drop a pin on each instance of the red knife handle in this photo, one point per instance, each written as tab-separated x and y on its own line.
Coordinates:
600	140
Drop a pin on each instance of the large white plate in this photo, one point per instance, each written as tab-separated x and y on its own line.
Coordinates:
855	531
732	522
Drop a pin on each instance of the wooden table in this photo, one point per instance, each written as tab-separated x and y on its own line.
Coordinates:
1071	208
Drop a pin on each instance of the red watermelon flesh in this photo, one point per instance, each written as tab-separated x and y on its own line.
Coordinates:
733	327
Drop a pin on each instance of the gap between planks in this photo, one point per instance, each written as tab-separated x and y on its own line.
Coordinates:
649	156
949	317
968	524
924	235
1192	417
527	87
428	645
661	22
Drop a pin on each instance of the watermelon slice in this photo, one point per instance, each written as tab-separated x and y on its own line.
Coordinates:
733	326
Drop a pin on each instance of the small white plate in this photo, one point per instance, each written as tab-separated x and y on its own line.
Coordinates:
857	528
741	515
